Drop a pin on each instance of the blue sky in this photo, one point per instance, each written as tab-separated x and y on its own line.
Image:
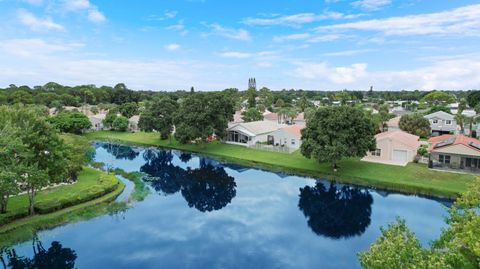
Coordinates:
215	44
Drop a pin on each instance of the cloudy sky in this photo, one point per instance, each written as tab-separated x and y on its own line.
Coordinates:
217	44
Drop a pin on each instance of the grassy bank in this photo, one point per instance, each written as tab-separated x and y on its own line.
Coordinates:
414	178
91	184
24	229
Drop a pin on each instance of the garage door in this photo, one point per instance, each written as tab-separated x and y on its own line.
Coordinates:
400	156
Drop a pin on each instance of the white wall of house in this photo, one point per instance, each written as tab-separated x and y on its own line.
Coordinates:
281	137
392	151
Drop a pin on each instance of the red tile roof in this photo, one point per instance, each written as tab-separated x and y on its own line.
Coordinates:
294	129
271	116
457	140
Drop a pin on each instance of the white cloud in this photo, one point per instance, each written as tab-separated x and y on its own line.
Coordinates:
461	21
172	47
336	75
36	62
35	47
168	14
96	16
34	2
346	52
37	24
179	27
317	38
75	5
236	54
239	34
93	14
457	74
301	36
371	4
298	19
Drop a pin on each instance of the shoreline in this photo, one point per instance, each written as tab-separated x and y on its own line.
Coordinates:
431	191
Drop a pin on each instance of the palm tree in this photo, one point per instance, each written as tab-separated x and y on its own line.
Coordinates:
292	113
282	114
461	119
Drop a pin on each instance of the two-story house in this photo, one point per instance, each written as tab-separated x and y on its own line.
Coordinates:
442	123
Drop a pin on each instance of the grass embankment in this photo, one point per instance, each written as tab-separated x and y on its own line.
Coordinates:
24	229
414	178
91	184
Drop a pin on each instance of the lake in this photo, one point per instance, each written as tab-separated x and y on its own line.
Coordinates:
202	213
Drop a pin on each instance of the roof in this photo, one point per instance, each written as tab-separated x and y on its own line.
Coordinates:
451	140
400	136
134	118
271	116
441	115
294	129
394	122
237	117
257	127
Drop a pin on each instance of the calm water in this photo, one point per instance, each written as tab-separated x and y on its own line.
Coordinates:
206	214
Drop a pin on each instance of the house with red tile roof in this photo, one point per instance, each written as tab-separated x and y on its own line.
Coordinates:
289	136
454	152
395	148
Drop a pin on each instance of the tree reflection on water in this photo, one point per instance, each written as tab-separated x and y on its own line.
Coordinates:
206	188
55	257
336	211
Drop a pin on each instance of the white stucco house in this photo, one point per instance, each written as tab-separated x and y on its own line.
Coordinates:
249	133
395	148
133	123
97	121
288	136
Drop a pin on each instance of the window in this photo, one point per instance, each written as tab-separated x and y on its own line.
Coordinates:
293	141
444	159
376	152
434	121
448	122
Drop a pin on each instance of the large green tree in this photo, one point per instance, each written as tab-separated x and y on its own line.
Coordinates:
438	97
45	160
201	115
159	115
71	122
333	133
415	124
128	109
457	246
251	114
10	162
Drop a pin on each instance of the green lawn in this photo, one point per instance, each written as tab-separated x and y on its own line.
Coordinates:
91	184
414	178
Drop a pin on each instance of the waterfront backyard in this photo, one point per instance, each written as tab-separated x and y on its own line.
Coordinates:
414	178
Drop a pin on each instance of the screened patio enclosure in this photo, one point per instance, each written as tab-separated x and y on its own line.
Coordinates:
237	137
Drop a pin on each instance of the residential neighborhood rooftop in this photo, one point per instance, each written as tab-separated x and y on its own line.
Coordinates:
450	140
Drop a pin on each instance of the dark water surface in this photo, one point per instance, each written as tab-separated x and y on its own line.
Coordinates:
206	214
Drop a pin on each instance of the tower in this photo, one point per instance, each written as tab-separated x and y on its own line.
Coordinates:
252	83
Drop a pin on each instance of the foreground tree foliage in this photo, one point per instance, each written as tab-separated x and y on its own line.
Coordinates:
70	122
39	155
415	124
333	133
457	247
